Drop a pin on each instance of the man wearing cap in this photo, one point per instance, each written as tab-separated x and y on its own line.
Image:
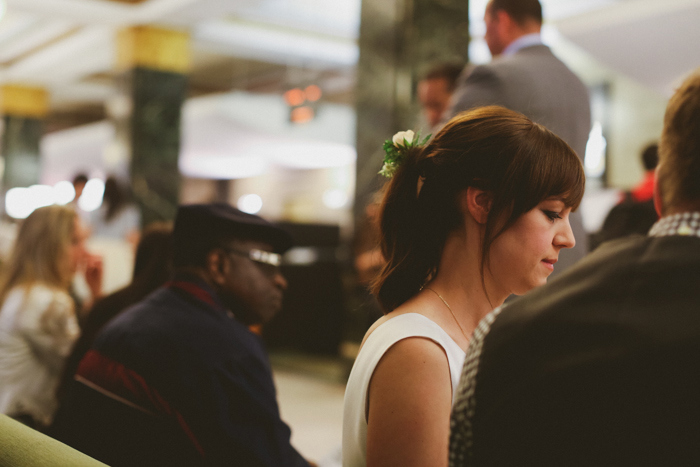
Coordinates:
600	366
178	379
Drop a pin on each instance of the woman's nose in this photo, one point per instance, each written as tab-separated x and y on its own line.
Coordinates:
565	237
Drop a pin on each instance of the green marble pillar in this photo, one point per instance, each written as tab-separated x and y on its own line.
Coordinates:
24	109
399	39
154	84
20	150
153	139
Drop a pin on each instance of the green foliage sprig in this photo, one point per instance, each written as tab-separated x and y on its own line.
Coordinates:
395	150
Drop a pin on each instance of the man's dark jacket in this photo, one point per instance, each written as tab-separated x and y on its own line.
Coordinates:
177	380
600	367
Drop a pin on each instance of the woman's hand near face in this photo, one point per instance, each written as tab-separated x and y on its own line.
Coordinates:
93	274
410	400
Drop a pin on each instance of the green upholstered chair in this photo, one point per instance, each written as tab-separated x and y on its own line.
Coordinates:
20	446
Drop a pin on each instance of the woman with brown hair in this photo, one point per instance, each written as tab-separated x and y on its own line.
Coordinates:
38	325
477	214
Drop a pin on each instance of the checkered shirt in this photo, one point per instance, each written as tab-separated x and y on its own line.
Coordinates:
461	434
685	224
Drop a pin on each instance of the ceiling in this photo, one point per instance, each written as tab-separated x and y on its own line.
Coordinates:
653	42
67	46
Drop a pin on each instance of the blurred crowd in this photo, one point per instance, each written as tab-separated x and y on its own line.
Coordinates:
48	319
141	346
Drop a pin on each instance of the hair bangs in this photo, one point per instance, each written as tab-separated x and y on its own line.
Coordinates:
562	177
547	168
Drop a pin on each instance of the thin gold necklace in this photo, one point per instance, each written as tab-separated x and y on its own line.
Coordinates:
451	312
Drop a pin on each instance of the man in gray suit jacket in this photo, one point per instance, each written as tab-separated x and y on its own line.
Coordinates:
600	367
526	77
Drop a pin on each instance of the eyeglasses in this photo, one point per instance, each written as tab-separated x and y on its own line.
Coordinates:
268	262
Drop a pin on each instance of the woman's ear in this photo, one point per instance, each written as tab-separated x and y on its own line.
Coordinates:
477	203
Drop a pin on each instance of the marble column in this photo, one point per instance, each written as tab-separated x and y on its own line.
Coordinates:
399	40
23	109
153	85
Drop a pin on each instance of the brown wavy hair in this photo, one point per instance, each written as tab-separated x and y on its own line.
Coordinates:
491	148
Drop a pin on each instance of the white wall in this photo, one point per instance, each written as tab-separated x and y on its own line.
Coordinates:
636	120
635	113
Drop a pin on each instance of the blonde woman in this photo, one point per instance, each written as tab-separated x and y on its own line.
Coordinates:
38	324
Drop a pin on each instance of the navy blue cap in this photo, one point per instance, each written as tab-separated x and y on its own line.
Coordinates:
197	226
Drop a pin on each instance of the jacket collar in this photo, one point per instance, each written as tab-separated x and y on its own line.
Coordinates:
196	287
528	40
685	224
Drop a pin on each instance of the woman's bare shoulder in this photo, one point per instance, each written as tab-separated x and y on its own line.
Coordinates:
412	306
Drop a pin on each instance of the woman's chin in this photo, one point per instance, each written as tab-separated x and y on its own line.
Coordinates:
525	288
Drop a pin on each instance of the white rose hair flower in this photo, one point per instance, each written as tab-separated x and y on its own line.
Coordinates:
403	138
395	150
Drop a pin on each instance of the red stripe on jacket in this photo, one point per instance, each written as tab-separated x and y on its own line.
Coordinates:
115	378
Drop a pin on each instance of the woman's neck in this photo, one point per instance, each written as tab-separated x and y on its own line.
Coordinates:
459	281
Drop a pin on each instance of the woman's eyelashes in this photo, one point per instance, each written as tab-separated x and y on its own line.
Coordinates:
551	215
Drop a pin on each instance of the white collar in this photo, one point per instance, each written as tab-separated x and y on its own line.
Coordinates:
521	42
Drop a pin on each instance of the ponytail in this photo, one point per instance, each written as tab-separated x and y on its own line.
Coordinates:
412	236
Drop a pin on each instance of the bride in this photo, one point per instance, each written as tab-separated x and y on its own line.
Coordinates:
475	215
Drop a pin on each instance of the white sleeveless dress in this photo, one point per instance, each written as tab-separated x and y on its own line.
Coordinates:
381	339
